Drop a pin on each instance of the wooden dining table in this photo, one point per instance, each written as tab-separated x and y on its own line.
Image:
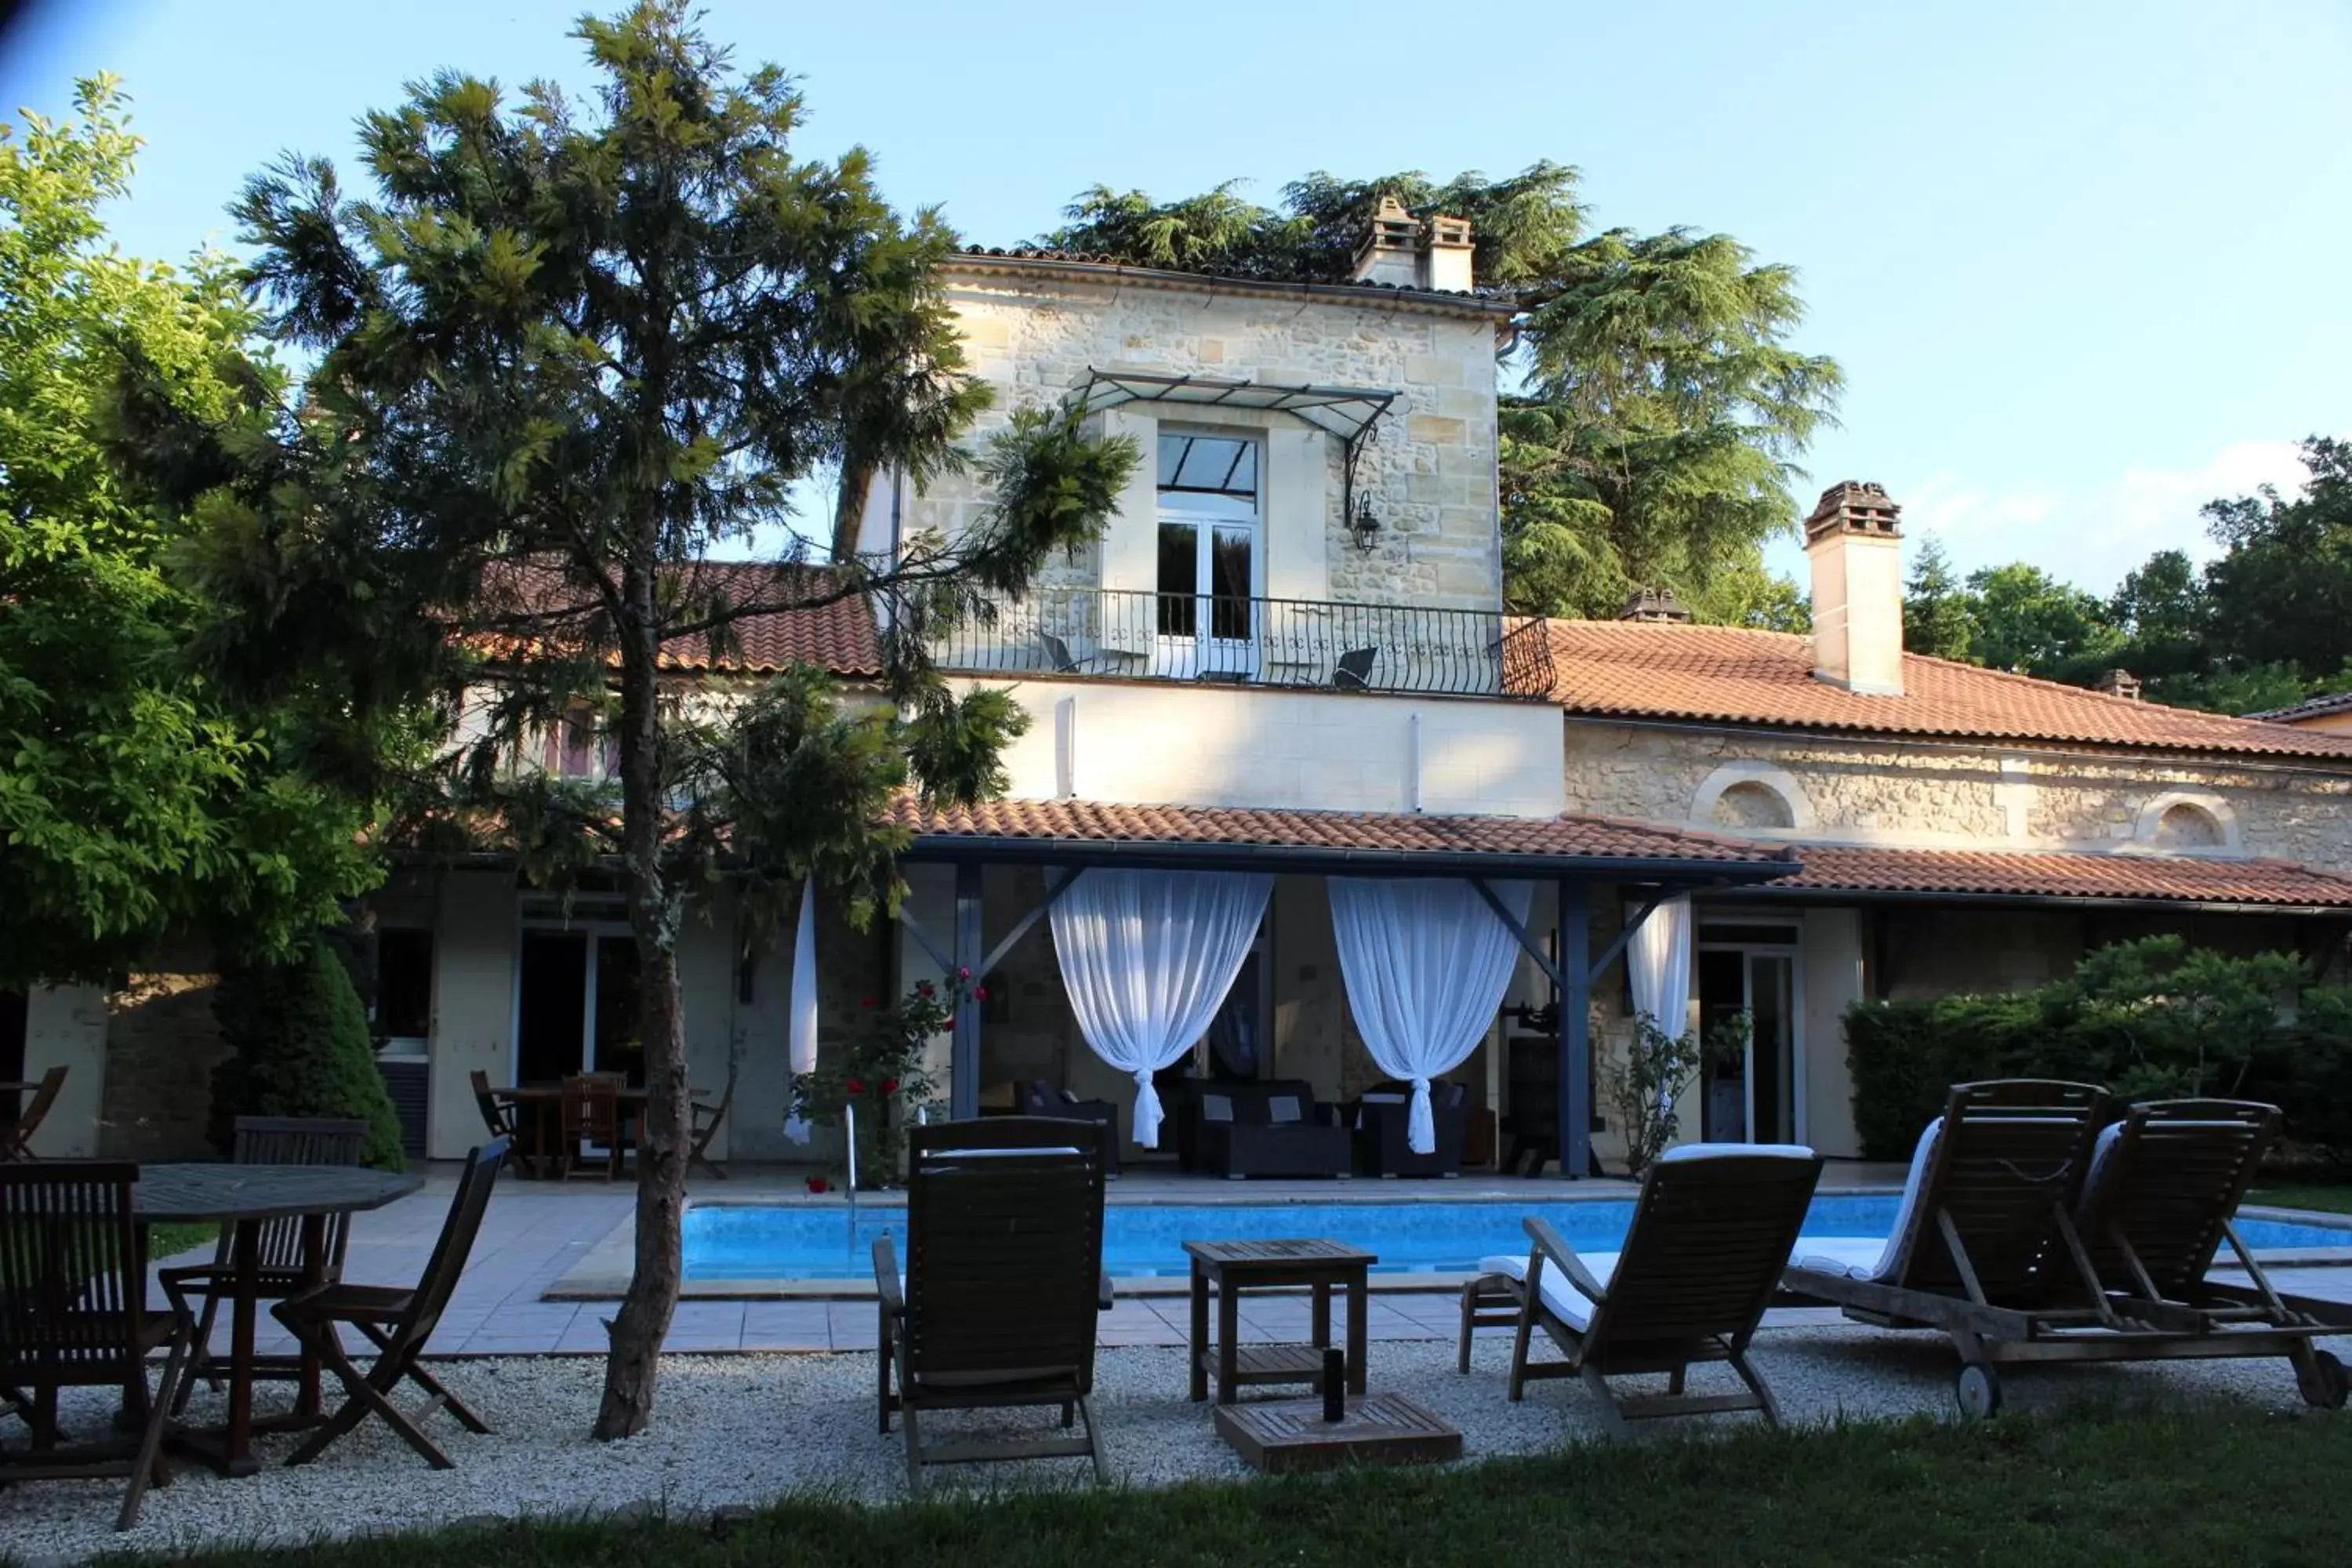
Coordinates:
544	1105
247	1198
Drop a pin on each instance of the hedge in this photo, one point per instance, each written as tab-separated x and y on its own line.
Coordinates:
2150	1019
299	1047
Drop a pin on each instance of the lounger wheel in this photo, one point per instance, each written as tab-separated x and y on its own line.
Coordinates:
1978	1390
2325	1383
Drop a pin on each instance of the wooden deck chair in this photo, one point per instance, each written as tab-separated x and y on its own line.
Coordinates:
285	1266
2155	1210
17	1137
497	1110
74	1313
1711	1232
703	1124
1982	1243
1004	1281
399	1322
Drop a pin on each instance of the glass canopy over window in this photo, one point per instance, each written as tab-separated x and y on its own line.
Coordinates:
1214	475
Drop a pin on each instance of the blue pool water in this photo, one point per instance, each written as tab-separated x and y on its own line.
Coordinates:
799	1241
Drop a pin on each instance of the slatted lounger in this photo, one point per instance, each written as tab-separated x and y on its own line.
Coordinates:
1987	1247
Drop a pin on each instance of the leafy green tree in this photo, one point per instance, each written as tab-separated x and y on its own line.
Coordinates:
1655	440
297	1039
1940	613
2030	623
2281	590
136	801
563	355
2163	609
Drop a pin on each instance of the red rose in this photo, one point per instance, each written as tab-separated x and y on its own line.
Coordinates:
818	1185
922	988
867	1002
980	992
856	1086
889	1085
963	974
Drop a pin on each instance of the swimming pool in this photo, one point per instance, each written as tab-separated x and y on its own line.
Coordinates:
801	1241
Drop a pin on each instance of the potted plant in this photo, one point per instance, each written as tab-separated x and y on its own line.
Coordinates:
880	1071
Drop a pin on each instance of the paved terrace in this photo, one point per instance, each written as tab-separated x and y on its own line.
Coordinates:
538	1233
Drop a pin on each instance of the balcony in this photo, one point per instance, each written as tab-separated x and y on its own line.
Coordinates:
1293	644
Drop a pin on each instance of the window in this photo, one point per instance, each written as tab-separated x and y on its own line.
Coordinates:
403	984
1208	537
577	749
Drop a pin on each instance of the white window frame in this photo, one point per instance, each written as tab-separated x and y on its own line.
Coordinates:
1201	653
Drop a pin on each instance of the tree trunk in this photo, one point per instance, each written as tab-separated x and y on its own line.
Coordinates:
634	1361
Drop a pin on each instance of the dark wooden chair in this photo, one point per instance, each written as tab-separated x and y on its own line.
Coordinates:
284	1246
399	1322
591	1115
17	1137
1004	1281
498	1112
1712	1229
704	1122
74	1313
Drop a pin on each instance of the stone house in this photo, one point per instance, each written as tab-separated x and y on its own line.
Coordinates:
1289	657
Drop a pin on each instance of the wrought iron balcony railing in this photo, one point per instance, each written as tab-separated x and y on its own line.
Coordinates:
1117	633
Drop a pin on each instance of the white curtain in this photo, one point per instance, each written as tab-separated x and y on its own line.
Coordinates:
800	1013
1148	957
1426	962
1658	963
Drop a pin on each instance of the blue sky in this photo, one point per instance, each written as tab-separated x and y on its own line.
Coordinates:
2083	268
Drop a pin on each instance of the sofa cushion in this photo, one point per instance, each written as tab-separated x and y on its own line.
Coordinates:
1069	1097
1216	1108
1282	1108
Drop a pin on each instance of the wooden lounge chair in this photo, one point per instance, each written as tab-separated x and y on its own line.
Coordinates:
1987	1250
74	1313
17	1137
705	1122
1711	1231
2155	1210
285	1266
399	1322
1004	1281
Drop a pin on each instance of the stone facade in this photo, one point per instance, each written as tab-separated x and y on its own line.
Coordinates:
1925	795
1428	470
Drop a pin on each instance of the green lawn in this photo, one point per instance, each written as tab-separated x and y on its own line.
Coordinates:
2335	1197
2191	1485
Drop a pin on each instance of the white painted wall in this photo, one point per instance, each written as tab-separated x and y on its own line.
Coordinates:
1169	744
66	1027
473	1003
1833	963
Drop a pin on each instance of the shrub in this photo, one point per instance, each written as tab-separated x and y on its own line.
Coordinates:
2152	1019
299	1047
1644	1087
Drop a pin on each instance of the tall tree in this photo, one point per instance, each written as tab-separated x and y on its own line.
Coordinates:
1939	611
136	801
2281	589
563	356
1662	414
2030	623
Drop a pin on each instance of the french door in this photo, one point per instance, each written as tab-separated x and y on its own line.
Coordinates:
576	1004
1209	517
1753	1092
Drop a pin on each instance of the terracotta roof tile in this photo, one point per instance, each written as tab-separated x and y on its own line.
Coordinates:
2168	877
1370	833
1732	675
838	637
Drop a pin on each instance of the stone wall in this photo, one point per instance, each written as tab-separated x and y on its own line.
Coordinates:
1929	797
1429	469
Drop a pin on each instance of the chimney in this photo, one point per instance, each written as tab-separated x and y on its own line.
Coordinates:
1655	604
2120	683
1446	255
1857	553
1387	252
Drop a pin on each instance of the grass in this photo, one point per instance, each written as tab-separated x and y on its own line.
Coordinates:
2333	1197
2192	1485
169	1238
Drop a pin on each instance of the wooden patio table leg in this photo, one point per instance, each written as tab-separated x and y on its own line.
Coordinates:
1359	1325
314	1274
1200	1331
1229	1331
237	1441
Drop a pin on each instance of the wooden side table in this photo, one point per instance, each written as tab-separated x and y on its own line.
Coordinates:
1233	1267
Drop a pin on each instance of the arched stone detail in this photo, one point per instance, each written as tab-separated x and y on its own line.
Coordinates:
1751	797
2189	822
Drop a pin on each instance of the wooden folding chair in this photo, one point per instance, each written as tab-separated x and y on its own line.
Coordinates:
707	1121
17	1137
398	1322
284	1248
74	1313
497	1110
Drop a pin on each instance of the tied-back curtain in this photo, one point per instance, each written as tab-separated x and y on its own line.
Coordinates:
800	1013
1426	962
1147	958
1658	964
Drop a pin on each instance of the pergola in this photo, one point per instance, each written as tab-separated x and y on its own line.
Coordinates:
1645	866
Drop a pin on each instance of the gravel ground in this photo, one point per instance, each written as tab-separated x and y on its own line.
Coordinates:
750	1428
